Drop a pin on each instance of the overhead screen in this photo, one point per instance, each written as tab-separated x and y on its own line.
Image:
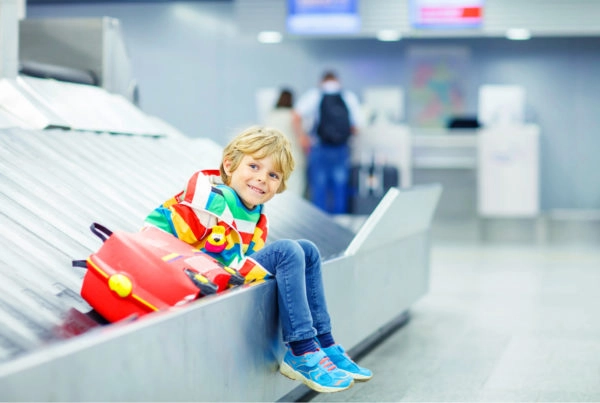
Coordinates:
309	17
446	13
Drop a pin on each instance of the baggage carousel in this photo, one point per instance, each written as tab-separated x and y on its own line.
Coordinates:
62	169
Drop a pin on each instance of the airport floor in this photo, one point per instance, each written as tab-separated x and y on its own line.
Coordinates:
509	322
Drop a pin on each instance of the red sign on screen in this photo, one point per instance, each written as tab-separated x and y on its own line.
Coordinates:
428	13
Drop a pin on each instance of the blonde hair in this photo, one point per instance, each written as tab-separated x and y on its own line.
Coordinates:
260	142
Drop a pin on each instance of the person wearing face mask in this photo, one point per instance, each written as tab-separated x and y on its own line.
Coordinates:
329	115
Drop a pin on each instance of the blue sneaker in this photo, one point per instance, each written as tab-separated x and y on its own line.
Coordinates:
342	361
316	371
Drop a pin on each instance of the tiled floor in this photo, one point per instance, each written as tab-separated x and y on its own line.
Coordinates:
516	323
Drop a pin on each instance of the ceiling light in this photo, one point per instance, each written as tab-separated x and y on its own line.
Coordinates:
269	37
518	34
388	35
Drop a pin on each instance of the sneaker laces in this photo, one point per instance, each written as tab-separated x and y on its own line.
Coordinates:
327	364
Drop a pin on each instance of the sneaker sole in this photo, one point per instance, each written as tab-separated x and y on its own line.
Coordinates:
291	373
360	378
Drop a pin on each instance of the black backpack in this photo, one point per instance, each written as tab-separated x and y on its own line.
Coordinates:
334	120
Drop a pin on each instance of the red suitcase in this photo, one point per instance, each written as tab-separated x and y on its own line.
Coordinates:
139	273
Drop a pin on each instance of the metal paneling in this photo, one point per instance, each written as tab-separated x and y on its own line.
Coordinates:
292	217
92	45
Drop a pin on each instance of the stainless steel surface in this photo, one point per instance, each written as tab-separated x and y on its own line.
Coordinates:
391	217
293	217
9	38
88	44
54	183
36	103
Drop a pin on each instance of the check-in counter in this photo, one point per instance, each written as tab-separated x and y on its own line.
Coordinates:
508	172
482	169
444	149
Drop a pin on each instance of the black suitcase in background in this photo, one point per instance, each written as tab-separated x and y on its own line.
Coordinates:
368	185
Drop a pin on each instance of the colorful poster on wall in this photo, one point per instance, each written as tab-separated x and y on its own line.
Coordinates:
323	16
438	85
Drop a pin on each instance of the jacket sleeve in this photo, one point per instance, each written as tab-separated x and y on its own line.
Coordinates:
253	271
184	215
160	217
250	268
260	235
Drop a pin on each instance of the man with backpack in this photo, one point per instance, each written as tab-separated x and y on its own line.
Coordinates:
331	116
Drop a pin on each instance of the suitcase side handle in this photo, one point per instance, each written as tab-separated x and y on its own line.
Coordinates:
100	231
79	263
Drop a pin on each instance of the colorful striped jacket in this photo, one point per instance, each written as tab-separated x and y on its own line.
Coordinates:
211	217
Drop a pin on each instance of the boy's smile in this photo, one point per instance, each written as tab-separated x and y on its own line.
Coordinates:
255	180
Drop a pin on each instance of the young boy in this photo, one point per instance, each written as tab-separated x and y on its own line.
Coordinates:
228	205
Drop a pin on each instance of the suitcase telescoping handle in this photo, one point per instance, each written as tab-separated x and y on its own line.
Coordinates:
100	231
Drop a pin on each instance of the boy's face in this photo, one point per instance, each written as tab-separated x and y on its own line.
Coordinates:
255	180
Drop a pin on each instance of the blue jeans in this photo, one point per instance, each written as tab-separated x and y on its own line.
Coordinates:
296	266
328	174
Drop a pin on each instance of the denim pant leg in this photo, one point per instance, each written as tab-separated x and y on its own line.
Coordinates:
329	175
318	178
315	291
340	176
296	266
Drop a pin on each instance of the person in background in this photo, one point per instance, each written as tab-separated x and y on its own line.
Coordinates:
255	166
330	115
281	117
